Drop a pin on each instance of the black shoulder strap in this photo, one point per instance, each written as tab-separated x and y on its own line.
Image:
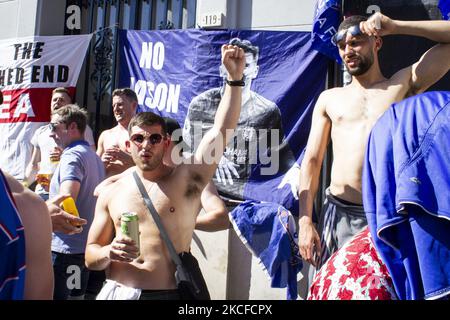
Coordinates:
157	219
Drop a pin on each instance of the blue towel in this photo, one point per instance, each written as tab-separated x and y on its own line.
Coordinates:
406	188
327	15
268	230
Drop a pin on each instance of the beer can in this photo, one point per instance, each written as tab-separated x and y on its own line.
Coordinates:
129	225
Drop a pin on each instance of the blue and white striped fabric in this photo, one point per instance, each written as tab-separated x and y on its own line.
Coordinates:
268	230
12	246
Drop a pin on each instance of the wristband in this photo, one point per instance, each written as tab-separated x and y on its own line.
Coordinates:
236	83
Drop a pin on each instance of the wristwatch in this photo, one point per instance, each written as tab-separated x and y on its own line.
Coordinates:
235	83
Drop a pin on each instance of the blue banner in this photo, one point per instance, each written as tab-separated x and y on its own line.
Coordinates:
327	17
177	73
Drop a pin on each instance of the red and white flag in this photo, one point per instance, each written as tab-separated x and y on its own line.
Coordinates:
30	68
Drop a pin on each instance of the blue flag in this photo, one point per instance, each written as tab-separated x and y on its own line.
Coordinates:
268	230
326	22
444	6
178	74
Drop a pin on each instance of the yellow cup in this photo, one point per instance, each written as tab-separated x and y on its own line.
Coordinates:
69	206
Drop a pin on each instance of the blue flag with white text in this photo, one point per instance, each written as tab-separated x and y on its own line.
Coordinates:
178	74
327	16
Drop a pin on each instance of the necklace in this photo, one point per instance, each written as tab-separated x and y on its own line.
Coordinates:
150	189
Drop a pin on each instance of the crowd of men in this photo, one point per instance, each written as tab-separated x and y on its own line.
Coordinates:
101	180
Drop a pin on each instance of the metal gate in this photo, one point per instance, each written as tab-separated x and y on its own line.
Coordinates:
103	18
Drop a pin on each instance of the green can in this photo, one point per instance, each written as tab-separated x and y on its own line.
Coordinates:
129	225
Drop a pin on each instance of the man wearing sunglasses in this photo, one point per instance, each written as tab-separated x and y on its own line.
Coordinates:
79	171
112	150
215	217
347	115
148	272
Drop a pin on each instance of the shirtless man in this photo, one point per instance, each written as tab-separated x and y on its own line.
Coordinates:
348	114
46	153
216	212
175	193
111	143
35	220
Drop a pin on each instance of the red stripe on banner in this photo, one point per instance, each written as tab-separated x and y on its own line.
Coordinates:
27	105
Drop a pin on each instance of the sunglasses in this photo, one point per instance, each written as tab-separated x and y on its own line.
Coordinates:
154	138
338	36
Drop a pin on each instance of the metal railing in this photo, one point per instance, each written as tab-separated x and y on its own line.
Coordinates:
103	18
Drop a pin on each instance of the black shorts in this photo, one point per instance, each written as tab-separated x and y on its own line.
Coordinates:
160	295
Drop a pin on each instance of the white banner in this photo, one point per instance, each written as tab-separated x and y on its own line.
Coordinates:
30	68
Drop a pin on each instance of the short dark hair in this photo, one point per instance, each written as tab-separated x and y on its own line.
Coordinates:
171	126
73	113
351	21
147	119
127	92
246	45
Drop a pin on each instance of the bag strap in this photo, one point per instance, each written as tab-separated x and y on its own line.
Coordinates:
157	219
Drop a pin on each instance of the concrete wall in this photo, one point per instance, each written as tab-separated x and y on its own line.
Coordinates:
50	17
229	269
231	272
18	18
292	15
22	18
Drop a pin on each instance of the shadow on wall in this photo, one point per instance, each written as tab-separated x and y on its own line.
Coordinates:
242	13
393	55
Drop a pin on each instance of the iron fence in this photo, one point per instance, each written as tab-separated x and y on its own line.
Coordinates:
103	18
